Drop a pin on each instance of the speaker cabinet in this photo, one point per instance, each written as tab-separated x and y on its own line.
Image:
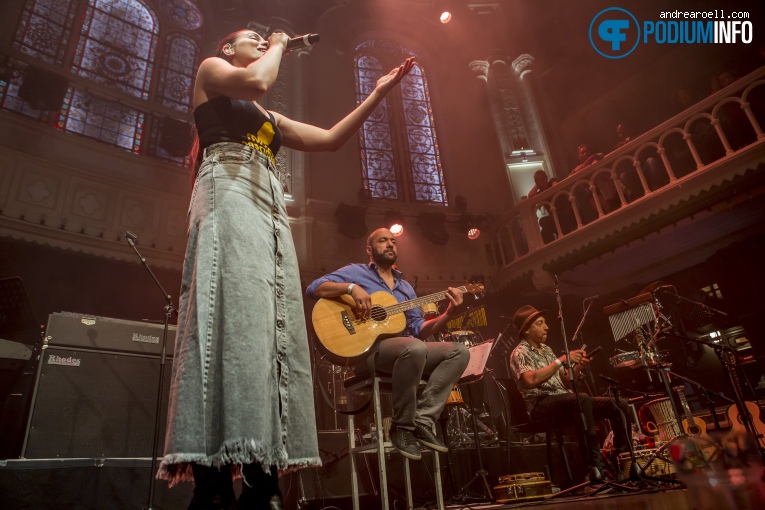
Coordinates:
43	90
175	137
90	403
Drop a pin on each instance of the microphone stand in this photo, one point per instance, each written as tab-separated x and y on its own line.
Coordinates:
595	476
637	472
591	384
169	309
707	396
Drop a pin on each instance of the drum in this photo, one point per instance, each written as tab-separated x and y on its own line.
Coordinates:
664	418
630	359
658	467
466	337
429	311
455	397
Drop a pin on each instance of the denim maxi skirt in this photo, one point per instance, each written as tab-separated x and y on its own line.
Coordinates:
241	389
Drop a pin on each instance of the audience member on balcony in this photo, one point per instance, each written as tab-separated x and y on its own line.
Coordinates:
546	221
703	136
605	189
654	176
733	120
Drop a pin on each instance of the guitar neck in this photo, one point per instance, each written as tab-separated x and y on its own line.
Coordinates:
686	408
415	303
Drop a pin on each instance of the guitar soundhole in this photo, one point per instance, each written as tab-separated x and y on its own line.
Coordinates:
378	313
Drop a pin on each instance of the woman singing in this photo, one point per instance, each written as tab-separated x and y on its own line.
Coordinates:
241	397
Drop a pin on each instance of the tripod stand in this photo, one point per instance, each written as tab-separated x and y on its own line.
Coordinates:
169	309
636	472
482	473
596	477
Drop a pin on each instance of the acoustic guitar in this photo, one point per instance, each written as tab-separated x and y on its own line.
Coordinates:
696	427
737	423
692	425
347	340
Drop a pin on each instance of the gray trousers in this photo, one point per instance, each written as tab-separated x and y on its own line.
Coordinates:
406	359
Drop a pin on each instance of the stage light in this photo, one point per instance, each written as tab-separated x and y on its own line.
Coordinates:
446	17
394	220
469	224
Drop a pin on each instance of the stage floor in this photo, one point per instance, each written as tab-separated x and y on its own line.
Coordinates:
116	484
124	484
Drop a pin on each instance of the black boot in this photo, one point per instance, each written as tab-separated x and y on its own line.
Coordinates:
597	472
260	490
213	488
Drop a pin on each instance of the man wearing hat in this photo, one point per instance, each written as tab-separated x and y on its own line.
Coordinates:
540	377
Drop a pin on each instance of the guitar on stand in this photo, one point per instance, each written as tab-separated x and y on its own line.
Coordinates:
750	421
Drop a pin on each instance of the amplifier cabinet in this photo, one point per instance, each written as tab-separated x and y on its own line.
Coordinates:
104	333
89	403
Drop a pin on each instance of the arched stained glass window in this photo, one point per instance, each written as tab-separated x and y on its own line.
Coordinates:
44	29
108	121
400	158
176	78
117	44
106	50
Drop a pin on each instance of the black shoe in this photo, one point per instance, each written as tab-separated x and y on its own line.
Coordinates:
427	438
403	440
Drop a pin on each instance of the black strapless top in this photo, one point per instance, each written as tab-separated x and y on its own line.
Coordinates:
225	119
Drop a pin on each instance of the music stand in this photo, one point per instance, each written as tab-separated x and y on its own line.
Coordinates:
474	372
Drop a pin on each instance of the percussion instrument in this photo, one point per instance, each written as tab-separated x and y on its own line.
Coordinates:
429	310
522	487
658	467
630	359
455	397
664	418
466	337
636	359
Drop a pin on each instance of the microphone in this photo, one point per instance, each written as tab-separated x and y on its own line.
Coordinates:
130	236
302	41
634	400
606	378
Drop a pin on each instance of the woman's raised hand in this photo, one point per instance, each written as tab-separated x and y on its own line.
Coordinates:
387	82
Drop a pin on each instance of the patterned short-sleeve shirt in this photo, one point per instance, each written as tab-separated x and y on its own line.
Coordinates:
525	358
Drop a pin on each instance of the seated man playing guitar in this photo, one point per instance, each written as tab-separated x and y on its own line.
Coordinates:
404	356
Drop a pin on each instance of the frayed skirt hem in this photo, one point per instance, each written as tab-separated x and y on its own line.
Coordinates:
176	467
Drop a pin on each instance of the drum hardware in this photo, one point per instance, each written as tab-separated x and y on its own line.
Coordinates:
642	317
465	337
430	311
455	397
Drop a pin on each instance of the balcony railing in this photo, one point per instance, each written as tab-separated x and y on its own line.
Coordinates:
721	126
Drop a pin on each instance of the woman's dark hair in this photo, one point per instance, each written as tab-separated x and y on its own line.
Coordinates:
194	154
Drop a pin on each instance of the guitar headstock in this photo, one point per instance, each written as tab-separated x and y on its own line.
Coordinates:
474	288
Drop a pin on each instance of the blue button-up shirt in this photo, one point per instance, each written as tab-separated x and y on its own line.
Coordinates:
367	277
